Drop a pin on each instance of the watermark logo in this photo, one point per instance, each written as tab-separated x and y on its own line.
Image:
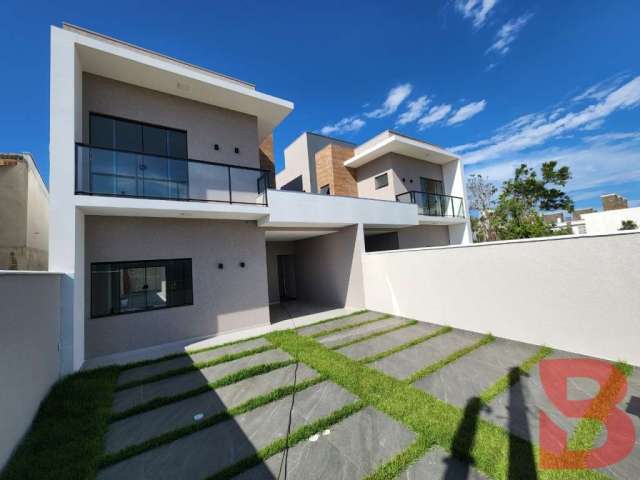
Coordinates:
601	410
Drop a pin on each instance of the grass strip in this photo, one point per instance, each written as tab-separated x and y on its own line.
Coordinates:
434	367
508	380
404	346
66	438
172	356
374	335
174	435
223	382
229	357
590	427
321	322
403	460
326	333
283	443
436	422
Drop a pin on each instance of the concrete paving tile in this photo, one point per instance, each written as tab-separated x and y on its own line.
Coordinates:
357	332
142	427
341	322
131	397
387	341
517	409
437	464
208	451
629	467
147	371
352	449
470	375
407	362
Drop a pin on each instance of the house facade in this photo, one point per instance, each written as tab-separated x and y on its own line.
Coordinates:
24	215
164	219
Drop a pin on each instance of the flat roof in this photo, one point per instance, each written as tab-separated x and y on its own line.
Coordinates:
101	36
390	141
111	58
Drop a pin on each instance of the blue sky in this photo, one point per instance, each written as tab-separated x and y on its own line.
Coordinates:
500	82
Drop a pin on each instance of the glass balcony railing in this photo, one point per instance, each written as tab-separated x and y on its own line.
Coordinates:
118	173
433	204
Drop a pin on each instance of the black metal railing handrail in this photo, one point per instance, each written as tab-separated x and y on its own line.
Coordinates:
133	174
434	204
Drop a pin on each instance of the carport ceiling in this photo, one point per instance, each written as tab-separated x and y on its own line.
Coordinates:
287	235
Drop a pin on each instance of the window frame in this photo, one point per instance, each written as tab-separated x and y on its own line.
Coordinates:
328	187
425	180
142	125
386	179
133	262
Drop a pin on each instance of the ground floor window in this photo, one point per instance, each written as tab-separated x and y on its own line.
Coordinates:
125	287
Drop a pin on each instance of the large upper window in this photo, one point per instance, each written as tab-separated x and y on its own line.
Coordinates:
125	287
118	134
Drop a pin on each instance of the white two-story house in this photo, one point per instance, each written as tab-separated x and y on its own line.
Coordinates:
163	213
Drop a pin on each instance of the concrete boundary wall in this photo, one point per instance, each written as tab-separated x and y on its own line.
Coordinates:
576	293
29	356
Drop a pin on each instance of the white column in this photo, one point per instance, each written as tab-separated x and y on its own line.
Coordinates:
453	179
66	234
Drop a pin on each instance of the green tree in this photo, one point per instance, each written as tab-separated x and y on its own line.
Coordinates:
517	214
628	225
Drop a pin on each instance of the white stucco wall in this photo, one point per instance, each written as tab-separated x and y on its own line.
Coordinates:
29	357
610	221
576	293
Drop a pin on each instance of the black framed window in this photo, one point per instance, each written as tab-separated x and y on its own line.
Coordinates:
382	181
121	134
432	186
326	190
127	287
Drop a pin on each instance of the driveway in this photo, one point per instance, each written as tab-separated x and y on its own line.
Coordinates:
249	410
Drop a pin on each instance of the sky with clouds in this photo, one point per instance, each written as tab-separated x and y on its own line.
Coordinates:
500	82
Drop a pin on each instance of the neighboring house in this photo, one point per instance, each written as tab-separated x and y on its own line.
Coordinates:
589	221
163	221
24	214
610	221
613	201
391	167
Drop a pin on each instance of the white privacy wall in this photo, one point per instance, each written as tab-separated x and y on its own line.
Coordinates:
29	356
577	293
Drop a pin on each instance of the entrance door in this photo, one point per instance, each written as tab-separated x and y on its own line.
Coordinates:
287	276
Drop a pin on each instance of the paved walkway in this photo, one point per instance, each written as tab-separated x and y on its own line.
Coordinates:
352	448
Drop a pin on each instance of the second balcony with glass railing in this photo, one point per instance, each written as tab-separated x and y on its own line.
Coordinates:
101	171
433	204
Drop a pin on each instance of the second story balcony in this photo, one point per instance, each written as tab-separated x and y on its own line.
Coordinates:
120	173
433	204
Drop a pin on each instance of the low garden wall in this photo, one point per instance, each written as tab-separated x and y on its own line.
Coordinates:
29	357
576	293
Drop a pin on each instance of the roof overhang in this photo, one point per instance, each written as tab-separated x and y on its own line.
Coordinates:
399	144
120	61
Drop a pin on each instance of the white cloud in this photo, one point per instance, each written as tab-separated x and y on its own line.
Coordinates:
508	33
593	167
466	112
436	114
414	111
476	10
347	124
535	129
396	96
613	137
603	88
